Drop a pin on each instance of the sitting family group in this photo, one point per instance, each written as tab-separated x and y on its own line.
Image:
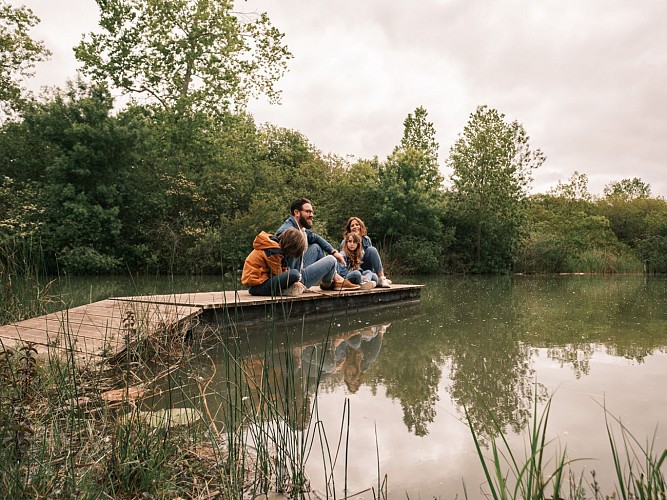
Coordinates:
296	258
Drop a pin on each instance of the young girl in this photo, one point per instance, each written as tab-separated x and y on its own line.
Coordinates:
265	271
353	253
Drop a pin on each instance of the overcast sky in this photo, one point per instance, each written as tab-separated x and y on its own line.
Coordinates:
586	78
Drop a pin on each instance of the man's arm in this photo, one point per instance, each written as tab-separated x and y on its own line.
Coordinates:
314	238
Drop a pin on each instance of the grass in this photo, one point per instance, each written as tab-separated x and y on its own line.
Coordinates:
542	473
250	428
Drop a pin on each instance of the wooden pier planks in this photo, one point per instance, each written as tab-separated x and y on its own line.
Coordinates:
97	329
101	328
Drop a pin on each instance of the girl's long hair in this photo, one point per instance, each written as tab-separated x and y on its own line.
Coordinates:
357	256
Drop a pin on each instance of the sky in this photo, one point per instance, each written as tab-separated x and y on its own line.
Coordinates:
586	78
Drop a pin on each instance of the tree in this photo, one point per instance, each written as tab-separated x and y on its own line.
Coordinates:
18	54
492	163
575	189
195	53
628	189
419	134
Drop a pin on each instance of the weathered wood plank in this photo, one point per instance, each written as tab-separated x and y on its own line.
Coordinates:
102	327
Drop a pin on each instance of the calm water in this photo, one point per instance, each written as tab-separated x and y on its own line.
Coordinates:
491	346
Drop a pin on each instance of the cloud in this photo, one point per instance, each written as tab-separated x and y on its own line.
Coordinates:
584	78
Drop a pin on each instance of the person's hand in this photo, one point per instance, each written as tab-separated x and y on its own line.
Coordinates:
339	257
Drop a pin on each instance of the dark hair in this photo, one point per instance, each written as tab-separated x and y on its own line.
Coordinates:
292	242
298	204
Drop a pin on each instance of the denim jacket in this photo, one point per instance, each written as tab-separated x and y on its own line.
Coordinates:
311	236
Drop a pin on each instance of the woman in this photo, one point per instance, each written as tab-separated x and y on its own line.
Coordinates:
353	253
371	260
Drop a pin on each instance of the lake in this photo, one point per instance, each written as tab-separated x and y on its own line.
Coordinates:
398	381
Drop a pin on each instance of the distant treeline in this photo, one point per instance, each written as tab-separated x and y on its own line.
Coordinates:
158	189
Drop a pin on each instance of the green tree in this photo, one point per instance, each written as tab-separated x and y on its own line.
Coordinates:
409	199
198	54
419	134
628	189
18	55
492	163
80	181
575	189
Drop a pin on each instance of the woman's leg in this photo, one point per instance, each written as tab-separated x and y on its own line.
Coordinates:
276	284
322	270
372	261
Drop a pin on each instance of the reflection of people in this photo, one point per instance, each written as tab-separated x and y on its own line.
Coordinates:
353	253
352	354
265	271
317	248
371	260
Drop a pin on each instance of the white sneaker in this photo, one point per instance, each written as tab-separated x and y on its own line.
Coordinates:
383	282
292	291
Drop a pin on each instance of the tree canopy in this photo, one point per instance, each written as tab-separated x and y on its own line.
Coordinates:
18	54
196	54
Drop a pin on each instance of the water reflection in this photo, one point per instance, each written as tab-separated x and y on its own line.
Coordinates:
350	354
489	346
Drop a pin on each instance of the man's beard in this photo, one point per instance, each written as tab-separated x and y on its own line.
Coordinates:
303	222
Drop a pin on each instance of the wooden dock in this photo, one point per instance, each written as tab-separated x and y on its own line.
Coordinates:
101	330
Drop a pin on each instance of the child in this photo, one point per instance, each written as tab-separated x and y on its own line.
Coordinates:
353	253
265	271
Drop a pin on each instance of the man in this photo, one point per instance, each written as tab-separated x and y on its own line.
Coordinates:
318	248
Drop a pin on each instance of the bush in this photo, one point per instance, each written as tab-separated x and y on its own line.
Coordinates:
87	260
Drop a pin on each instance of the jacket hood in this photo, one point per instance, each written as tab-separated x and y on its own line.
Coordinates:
263	241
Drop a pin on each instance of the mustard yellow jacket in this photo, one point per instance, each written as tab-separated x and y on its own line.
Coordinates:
264	261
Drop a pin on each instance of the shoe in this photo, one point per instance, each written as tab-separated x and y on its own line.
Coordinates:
326	286
367	285
346	284
383	282
292	291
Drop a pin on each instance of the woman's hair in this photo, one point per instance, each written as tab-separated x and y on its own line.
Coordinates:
362	230
292	242
357	256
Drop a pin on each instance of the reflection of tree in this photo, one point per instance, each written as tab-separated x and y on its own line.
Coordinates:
412	373
493	381
576	355
415	385
490	372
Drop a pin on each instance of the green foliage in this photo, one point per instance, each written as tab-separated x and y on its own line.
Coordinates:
569	235
188	54
492	162
628	189
18	55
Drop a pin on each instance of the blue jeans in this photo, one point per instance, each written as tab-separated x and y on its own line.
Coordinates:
372	261
312	254
275	284
356	276
322	270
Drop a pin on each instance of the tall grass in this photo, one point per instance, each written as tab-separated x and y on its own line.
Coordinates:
543	473
24	290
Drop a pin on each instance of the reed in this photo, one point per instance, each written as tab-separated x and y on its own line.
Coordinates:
24	289
542	473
